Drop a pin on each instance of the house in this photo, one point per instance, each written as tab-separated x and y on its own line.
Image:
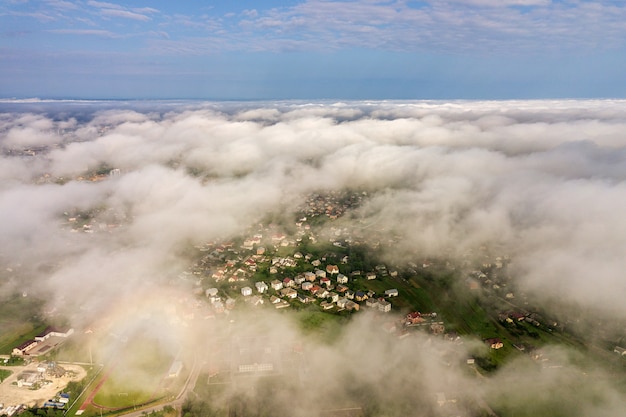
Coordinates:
211	292
304	298
246	291
309	276
255	300
370	276
384	306
325	281
371	302
351	305
289	293
620	350
360	296
299	279
281	304
307	285
332	269
314	289
342	288
342	279
322	293
494	343
319	273
276	285
326	305
391	293
350	295
414	317
261	287
341	303
333	297
288	282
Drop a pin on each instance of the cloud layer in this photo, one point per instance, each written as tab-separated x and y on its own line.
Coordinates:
541	182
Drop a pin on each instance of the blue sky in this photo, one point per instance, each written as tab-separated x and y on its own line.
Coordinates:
362	49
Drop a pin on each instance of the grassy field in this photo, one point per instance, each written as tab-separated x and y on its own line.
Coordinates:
4	374
19	321
137	375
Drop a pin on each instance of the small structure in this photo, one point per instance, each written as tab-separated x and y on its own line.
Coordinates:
342	279
494	343
246	291
289	293
391	293
175	369
332	269
371	302
360	296
261	287
326	305
384	306
276	285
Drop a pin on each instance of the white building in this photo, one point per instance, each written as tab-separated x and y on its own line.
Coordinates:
261	287
246	291
391	293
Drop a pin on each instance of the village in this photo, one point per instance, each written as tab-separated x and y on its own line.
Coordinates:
270	268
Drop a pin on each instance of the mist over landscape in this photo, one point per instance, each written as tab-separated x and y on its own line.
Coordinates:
537	185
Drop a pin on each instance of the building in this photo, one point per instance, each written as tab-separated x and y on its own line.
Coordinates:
246	291
261	287
494	343
391	293
384	306
342	279
277	285
332	269
371	302
23	349
175	369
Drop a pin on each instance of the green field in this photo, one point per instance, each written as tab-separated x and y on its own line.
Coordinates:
137	376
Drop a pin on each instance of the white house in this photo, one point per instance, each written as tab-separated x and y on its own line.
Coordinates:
261	287
391	293
211	292
246	291
384	306
277	285
342	279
